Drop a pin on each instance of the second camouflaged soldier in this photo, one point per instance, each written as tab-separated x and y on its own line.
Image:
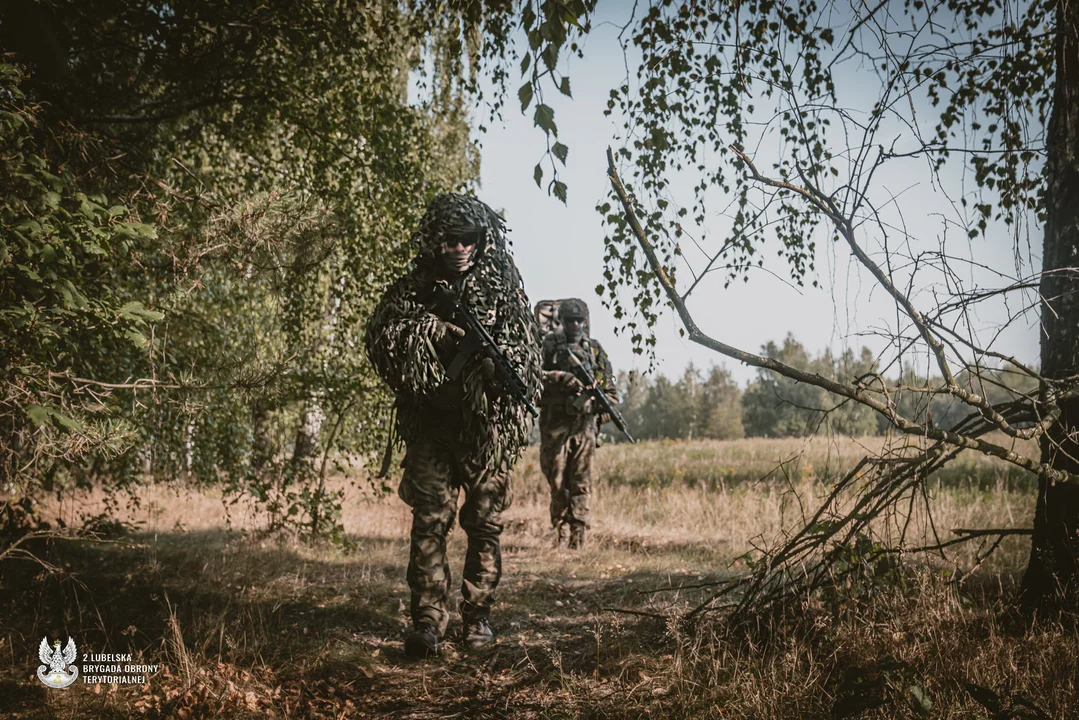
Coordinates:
569	420
462	431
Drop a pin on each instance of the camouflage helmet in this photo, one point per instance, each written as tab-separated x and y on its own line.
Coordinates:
572	307
452	213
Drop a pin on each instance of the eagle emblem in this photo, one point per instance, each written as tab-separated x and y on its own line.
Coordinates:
52	672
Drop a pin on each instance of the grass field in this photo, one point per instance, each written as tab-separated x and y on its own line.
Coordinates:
246	625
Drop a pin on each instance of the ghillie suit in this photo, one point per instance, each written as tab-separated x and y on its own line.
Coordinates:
569	422
458	434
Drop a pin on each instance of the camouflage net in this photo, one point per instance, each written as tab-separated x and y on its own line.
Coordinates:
489	428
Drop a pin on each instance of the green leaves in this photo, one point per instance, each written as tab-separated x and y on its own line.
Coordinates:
137	339
525	95
265	288
547	34
38	414
560	151
550	56
136	231
544	119
42	415
560	190
136	311
71	296
65	311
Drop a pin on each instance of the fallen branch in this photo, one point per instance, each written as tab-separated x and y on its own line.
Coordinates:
641	613
1003	531
695	586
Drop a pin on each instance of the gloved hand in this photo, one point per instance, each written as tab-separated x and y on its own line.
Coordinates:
563	380
445	337
487	366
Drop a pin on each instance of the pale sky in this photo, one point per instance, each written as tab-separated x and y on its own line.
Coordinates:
559	248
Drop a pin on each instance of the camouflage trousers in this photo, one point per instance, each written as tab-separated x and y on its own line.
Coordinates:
567	446
432	481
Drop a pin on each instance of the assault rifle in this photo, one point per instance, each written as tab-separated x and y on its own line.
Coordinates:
478	340
592	389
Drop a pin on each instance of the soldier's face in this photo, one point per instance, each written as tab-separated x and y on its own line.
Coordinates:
574	327
457	251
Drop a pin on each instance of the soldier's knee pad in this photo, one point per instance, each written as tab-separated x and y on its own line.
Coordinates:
481	525
432	520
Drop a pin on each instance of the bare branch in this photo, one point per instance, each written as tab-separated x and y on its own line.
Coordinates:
846	230
862	394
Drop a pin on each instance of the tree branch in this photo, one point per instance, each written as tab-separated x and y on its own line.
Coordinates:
858	394
846	229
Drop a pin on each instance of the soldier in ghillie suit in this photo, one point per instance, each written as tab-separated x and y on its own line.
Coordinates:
461	428
570	420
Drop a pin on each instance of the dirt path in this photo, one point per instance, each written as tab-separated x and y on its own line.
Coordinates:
247	628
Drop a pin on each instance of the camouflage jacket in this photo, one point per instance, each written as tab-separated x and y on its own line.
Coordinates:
484	425
556	365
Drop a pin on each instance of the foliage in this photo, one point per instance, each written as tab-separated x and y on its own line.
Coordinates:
832	147
777	406
762	76
276	158
64	315
548	27
692	407
717	406
714	406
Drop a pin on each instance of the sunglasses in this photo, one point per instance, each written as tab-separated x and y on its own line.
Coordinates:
466	238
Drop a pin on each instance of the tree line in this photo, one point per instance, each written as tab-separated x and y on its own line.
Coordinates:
710	404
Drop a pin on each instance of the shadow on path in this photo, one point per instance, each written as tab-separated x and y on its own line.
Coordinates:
257	629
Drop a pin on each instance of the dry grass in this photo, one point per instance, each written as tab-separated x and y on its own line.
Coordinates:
266	627
729	497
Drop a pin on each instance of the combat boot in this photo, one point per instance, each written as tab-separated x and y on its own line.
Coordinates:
477	633
576	537
423	641
562	536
